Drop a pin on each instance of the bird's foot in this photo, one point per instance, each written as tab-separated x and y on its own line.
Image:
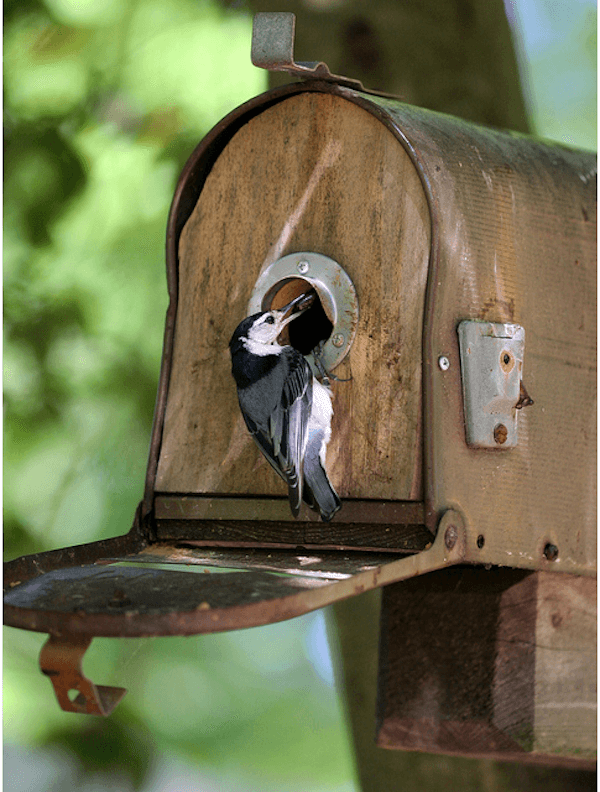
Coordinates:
326	376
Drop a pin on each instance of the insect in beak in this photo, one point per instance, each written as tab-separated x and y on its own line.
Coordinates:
297	306
301	302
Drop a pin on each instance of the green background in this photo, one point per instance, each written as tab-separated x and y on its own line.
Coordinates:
104	102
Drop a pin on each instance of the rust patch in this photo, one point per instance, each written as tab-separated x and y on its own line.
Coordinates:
61	660
525	399
497	310
500	434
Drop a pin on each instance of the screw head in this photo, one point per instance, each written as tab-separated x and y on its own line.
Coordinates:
443	363
337	340
303	267
507	361
451	536
500	433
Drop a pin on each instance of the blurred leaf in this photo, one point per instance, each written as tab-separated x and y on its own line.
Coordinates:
43	173
17	539
108	747
44	75
86	13
20	8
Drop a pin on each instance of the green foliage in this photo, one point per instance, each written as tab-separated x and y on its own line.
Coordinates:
113	748
559	68
104	101
564	101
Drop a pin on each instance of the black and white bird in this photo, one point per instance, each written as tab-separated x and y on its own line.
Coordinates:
286	409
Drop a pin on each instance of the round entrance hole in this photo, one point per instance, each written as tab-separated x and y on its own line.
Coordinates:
333	317
312	326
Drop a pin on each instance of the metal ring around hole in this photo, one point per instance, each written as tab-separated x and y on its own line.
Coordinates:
336	292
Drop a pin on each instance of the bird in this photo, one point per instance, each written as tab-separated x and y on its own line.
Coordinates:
286	409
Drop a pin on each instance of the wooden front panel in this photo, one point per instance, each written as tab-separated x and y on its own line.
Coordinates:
317	173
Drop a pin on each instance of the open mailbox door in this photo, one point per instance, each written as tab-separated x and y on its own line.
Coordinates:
464	398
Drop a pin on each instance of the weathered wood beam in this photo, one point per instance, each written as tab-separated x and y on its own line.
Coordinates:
497	663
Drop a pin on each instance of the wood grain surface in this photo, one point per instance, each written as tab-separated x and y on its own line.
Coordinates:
497	663
314	173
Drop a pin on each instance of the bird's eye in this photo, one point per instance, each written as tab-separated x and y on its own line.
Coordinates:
270	319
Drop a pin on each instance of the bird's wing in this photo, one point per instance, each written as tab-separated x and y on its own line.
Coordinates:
278	421
280	433
289	423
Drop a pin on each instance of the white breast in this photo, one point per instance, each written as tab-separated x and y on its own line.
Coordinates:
260	349
320	416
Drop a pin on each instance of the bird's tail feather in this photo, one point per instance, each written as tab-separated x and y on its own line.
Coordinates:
294	494
318	492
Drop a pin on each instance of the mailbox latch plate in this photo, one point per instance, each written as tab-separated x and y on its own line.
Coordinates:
491	359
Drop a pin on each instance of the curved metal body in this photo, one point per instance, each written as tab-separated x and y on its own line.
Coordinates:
512	235
511	229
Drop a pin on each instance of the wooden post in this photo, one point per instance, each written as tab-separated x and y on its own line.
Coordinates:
490	663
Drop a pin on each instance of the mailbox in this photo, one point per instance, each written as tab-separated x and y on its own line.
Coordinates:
455	272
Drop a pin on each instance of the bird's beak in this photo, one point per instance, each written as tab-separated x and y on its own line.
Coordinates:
296	306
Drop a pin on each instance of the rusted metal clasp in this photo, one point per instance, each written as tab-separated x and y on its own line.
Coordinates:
525	399
273	49
61	659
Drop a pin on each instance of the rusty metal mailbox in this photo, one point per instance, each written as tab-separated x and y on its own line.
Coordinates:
463	349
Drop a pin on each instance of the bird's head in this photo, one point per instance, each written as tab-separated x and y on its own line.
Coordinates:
265	328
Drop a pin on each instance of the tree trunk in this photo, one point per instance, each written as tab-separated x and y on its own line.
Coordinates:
454	56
